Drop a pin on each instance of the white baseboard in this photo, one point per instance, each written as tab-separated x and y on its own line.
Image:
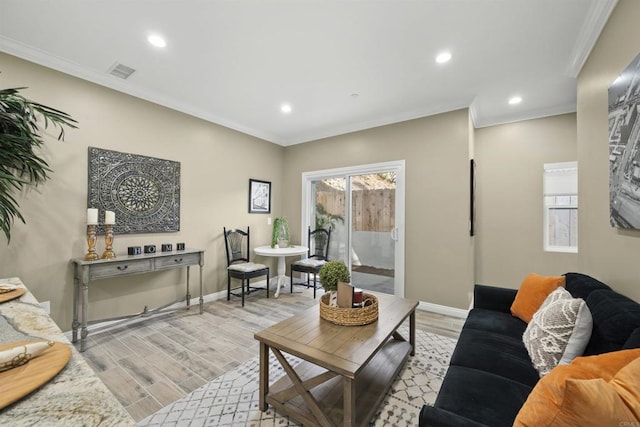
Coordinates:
194	303
443	309
110	324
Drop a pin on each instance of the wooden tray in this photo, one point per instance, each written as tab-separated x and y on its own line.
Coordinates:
18	382
8	296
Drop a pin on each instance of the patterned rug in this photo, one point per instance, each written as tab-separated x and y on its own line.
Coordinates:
232	399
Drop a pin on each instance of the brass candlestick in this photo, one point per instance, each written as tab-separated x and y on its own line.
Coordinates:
108	240
91	241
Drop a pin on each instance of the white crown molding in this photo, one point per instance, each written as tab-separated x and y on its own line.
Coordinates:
28	53
528	115
598	15
595	21
377	122
473	112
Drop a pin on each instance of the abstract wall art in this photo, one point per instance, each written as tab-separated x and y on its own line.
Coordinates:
144	192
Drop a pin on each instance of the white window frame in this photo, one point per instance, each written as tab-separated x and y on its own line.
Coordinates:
560	180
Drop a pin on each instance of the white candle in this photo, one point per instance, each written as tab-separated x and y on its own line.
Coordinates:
92	216
109	217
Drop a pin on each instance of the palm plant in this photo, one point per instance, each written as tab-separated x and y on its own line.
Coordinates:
20	165
325	219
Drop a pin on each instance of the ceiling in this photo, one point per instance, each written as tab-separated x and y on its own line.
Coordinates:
341	65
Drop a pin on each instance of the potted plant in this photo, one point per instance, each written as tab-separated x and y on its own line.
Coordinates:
280	236
20	166
330	274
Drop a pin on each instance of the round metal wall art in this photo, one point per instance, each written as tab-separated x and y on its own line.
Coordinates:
144	192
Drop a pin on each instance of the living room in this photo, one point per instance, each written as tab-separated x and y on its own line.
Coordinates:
442	261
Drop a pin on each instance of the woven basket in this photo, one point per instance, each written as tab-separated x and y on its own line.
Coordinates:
350	316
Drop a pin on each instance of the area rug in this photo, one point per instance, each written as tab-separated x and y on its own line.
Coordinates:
232	399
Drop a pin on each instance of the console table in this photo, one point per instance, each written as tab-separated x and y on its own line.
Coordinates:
86	272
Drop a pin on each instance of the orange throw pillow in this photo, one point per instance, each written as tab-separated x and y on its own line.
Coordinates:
602	390
532	293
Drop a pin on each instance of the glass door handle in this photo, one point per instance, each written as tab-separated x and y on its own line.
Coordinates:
394	234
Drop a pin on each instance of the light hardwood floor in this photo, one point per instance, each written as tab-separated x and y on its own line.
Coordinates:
151	363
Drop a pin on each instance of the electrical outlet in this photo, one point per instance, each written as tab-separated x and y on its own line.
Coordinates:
46	306
268	220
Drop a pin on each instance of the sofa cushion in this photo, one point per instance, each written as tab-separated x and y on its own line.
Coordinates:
491	375
532	293
634	340
493	298
587	392
558	332
497	354
581	285
246	267
495	321
472	394
615	317
437	417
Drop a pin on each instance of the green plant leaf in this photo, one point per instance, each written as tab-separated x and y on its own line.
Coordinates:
333	272
21	121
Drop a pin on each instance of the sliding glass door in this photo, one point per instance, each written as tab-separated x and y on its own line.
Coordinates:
364	208
372	231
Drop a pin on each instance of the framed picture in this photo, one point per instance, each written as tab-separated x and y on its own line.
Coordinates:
624	141
259	196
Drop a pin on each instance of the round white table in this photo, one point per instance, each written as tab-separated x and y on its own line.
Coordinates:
281	253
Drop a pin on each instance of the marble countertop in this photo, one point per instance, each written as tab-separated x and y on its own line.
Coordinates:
76	396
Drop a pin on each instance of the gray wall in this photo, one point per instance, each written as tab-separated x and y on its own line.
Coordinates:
510	159
436	150
608	253
216	164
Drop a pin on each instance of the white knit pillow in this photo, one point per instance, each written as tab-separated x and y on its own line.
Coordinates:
558	332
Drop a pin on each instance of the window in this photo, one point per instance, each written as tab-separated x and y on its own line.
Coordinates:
560	187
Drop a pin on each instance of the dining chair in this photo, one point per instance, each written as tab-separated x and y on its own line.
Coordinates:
318	253
239	265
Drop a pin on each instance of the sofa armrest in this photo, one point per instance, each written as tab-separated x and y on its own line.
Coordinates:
430	416
493	298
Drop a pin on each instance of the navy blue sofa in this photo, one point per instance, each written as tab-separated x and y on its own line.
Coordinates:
490	374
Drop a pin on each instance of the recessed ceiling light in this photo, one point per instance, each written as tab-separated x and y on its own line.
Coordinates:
286	108
443	57
515	100
157	40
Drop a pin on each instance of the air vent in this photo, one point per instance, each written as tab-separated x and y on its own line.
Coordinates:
121	71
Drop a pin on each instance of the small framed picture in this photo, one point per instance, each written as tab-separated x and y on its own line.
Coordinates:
259	196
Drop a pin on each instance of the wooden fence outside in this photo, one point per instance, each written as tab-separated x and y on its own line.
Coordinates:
373	210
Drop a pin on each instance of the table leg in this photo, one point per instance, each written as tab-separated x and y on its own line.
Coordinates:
412	332
349	409
264	376
281	277
75	324
188	296
84	333
201	290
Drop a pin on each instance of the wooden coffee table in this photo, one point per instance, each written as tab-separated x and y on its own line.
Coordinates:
346	370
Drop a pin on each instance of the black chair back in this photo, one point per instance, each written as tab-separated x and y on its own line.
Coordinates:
236	244
319	240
